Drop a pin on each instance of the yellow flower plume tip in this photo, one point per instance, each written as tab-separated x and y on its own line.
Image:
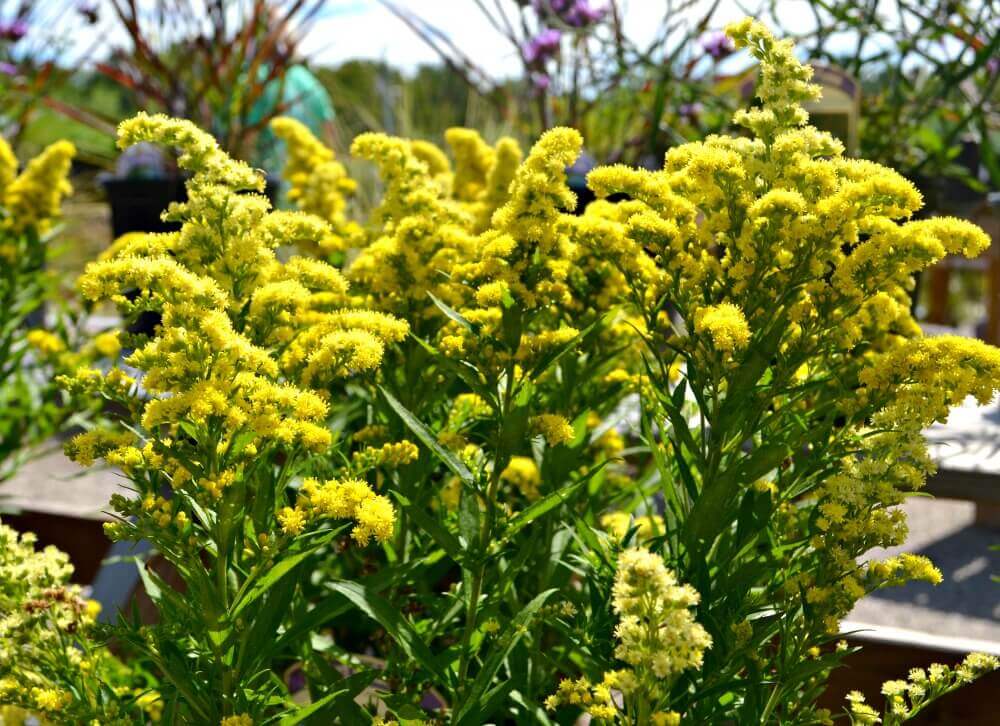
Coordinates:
200	153
305	149
725	325
784	81
538	191
318	184
507	158
436	160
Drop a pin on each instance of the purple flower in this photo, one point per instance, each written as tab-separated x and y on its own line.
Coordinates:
543	46
8	69
13	30
582	14
717	44
540	81
992	66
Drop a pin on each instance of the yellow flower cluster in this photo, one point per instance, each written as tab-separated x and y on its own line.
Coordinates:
553	428
341	499
657	633
392	454
925	377
32	198
318	184
783	85
725	325
487	235
524	255
777	247
46	343
658	638
41	617
249	347
618	525
598	699
482	176
199	152
729	219
417	235
522	473
905	699
473	160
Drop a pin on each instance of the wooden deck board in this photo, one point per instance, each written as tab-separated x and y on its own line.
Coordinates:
52	484
967	452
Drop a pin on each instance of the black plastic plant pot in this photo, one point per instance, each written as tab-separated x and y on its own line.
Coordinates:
584	195
136	204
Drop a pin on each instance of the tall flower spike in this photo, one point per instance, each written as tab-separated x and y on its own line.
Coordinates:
538	193
417	235
409	189
319	184
784	81
657	632
435	159
508	157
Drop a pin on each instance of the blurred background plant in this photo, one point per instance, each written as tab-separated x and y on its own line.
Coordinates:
228	66
930	74
36	61
221	64
632	99
34	332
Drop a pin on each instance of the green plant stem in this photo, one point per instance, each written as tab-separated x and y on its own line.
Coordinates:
478	576
772	703
470	621
486	531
